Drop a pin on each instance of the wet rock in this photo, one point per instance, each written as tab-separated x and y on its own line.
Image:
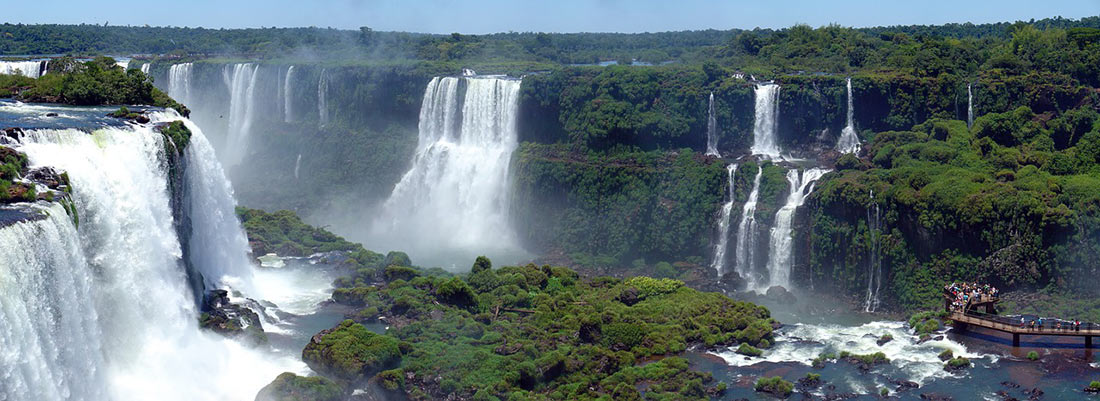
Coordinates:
781	295
13	133
1005	397
905	385
809	381
935	397
924	338
1010	384
937	338
884	339
51	114
1034	394
231	319
46	176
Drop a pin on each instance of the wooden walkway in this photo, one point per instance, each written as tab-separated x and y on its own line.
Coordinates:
1008	325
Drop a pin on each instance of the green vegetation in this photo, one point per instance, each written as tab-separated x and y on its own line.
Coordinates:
927	322
13	164
1094	385
177	134
775	386
865	359
947	354
1033	356
291	387
957	363
96	82
350	351
821	359
748	350
282	232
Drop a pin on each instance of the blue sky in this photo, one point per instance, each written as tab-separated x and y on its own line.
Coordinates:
486	16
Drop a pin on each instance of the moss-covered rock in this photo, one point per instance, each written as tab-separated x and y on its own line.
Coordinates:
291	387
349	351
775	386
177	133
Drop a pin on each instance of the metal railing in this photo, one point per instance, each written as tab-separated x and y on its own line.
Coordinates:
1048	325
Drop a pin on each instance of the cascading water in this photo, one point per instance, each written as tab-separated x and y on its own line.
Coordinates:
764	136
241	80
455	197
781	245
746	234
297	165
179	81
322	97
969	107
874	264
145	343
719	262
849	140
32	69
712	129
288	99
145	68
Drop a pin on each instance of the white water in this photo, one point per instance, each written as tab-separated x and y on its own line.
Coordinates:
849	140
801	343
764	137
146	324
874	265
969	107
145	69
288	96
456	197
781	246
746	234
179	81
32	69
297	165
241	80
720	249
322	96
50	345
712	129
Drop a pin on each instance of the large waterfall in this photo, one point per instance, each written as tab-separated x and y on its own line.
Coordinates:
322	97
241	80
33	69
781	245
712	129
179	81
764	136
849	140
746	234
288	95
114	318
874	262
455	197
720	249
969	107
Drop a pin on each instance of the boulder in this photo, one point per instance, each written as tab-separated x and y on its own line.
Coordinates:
781	295
232	319
291	387
351	352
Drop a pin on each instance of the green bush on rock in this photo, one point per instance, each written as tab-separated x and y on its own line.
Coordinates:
775	386
350	351
291	387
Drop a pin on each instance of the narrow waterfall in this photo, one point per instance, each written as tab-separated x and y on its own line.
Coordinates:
49	328
456	194
241	81
969	107
781	245
179	81
764	136
322	97
746	234
135	330
32	69
874	264
849	140
297	165
288	95
712	129
720	249
145	68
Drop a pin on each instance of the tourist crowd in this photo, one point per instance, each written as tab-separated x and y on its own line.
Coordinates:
964	293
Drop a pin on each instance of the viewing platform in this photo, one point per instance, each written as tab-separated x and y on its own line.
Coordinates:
970	315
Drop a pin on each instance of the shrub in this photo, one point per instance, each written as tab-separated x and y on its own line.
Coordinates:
397	258
291	387
774	385
456	292
1034	356
748	350
481	264
350	351
393	379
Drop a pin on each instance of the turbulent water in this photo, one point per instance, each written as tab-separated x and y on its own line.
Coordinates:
712	129
849	140
721	248
33	69
781	246
288	95
456	196
145	69
241	80
874	264
765	140
179	81
128	329
746	234
322	97
969	107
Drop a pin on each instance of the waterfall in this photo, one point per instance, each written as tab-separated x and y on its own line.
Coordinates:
849	140
746	234
49	331
456	194
32	69
135	334
297	165
781	245
241	80
322	96
179	81
145	68
288	99
969	107
874	265
719	262
712	129
764	136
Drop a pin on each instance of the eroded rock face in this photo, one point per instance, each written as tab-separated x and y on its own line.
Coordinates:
232	319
